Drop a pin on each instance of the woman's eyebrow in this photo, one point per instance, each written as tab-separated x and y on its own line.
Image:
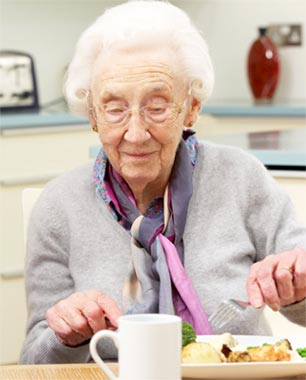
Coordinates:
159	89
114	95
109	95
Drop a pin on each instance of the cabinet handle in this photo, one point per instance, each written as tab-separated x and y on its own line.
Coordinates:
9	274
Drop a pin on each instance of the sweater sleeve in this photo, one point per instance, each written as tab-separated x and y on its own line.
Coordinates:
272	224
47	280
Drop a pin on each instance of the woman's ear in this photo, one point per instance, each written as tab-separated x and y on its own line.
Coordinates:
90	112
194	108
92	120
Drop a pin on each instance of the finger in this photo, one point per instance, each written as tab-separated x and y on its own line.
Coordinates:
95	316
62	330
254	292
75	319
108	305
300	294
283	280
299	273
68	337
265	280
111	309
293	265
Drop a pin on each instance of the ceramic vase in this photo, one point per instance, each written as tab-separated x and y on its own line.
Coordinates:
263	67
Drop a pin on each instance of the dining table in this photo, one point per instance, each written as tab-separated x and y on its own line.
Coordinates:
80	371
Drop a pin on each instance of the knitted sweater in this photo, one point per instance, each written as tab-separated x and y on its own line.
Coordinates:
237	215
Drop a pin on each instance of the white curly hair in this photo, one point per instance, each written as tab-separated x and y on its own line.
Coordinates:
133	22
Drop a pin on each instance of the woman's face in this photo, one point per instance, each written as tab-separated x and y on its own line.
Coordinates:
142	152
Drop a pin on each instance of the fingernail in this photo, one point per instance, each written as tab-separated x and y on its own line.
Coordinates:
257	304
275	307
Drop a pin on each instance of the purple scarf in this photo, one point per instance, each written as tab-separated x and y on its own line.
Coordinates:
157	281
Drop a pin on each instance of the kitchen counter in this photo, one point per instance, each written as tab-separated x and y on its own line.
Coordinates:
39	119
242	108
283	150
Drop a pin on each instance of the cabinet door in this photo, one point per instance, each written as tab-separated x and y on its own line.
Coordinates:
12	319
296	188
43	152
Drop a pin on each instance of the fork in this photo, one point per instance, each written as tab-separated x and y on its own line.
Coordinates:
226	311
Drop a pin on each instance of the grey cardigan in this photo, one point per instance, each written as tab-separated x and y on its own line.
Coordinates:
237	215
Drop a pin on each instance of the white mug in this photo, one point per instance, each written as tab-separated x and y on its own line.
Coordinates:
149	347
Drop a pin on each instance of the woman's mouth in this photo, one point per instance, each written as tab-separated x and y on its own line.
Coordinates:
139	155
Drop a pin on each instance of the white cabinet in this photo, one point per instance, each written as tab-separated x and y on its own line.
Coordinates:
29	158
296	188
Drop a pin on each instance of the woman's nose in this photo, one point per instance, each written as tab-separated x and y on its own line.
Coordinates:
137	130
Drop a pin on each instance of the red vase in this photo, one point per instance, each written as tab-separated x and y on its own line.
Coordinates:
263	68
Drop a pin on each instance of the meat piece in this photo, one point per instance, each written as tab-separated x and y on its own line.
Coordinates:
226	350
269	353
239	357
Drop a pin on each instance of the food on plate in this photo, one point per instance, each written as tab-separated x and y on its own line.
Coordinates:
270	353
301	352
225	348
188	334
238	357
200	352
227	340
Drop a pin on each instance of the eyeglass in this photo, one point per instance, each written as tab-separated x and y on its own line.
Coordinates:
118	115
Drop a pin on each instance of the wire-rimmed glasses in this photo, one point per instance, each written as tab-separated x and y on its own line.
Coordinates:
161	114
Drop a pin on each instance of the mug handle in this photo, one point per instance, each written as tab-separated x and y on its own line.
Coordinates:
93	350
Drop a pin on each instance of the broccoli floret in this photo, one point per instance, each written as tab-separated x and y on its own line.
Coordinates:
302	352
188	334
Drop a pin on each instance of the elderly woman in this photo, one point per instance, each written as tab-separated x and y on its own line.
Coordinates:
161	222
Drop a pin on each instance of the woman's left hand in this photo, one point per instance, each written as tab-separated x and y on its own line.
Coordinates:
278	280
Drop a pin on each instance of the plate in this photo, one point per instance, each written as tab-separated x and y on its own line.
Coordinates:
258	370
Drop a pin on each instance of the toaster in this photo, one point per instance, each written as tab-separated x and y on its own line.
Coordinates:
18	86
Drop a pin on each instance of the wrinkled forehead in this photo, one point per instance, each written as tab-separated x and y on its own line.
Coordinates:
152	70
151	78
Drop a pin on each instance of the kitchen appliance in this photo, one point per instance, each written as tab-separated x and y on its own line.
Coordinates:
18	87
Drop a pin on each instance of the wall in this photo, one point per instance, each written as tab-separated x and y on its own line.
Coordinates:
49	29
230	26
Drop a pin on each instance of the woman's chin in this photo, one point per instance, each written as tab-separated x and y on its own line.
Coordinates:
141	178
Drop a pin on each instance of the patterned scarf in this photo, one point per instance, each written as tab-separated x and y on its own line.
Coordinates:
157	281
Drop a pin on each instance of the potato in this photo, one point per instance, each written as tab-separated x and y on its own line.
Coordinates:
200	352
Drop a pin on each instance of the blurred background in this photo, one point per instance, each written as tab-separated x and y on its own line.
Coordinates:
40	139
49	29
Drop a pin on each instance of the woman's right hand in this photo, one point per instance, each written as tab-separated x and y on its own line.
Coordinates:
76	318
